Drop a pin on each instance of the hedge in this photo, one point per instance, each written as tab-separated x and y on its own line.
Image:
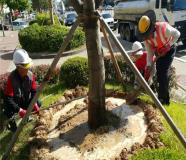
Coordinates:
40	72
37	38
44	19
75	72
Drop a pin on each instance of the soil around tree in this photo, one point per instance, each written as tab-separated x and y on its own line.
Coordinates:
63	132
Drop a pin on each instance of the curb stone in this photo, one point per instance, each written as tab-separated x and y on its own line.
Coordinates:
52	55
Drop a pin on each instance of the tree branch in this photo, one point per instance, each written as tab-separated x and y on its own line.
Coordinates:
98	3
77	4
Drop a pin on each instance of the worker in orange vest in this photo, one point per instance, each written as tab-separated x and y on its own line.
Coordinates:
159	39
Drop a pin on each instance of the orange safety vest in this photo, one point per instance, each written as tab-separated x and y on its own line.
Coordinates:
159	40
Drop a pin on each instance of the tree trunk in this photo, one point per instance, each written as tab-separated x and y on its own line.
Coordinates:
96	106
96	96
50	4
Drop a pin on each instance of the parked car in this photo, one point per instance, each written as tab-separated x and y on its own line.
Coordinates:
19	24
70	18
110	20
5	27
32	16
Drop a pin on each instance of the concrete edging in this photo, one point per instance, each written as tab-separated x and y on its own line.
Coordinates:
52	55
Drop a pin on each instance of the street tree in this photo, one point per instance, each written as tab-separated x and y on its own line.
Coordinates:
96	96
20	5
40	5
51	10
2	2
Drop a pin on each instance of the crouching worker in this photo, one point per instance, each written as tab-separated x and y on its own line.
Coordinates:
140	59
20	88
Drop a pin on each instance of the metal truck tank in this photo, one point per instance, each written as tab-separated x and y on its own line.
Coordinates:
127	7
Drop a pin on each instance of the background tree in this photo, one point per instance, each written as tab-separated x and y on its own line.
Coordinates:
19	5
40	5
96	96
51	10
2	2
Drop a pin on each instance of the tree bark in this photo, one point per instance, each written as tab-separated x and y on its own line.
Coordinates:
77	4
50	4
96	106
96	96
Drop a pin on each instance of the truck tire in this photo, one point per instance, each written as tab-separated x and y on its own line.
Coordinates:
128	34
121	31
184	41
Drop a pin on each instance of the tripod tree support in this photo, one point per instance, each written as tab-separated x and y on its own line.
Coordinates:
144	83
47	77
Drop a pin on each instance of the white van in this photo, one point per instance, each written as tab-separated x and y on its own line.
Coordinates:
109	20
19	24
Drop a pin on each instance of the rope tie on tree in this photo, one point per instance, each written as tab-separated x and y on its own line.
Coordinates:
83	17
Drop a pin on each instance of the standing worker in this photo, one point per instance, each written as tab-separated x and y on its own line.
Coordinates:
159	39
20	88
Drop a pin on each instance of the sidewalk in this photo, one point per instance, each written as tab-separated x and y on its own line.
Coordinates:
9	42
7	46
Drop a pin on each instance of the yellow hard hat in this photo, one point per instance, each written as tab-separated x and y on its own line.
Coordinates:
25	66
144	24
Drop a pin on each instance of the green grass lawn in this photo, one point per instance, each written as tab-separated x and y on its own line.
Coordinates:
52	93
21	149
172	151
178	113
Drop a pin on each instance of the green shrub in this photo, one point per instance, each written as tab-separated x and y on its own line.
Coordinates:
75	72
110	73
44	19
3	80
37	38
71	78
55	37
33	38
78	39
128	75
40	72
32	22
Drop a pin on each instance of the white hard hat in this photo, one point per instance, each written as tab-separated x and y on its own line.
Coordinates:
21	58
137	48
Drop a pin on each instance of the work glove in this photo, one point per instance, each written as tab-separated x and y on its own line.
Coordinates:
163	50
22	112
147	73
36	108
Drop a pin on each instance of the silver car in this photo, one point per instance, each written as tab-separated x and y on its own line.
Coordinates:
19	24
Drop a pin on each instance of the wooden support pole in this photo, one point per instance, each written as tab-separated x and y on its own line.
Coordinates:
116	66
47	76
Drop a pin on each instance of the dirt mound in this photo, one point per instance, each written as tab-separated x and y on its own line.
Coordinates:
63	133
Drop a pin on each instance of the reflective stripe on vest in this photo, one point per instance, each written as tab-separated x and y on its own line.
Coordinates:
159	39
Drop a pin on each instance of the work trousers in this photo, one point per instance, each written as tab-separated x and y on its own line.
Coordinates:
163	65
